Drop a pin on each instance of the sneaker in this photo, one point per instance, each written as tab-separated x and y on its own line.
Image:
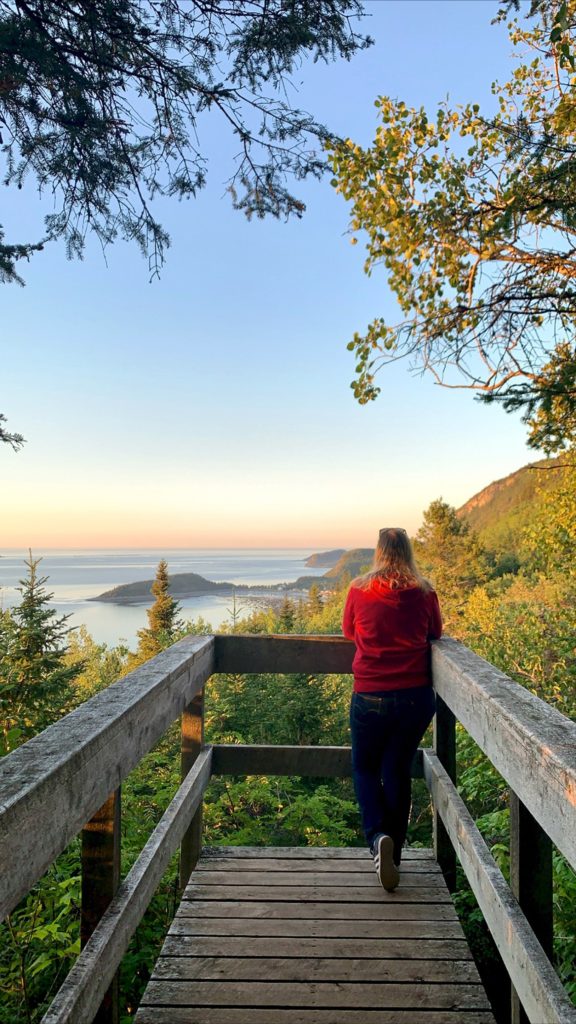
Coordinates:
388	874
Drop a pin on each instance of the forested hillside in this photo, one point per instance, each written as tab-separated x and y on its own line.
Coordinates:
500	511
523	621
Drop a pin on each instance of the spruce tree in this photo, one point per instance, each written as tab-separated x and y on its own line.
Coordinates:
450	552
34	677
286	616
163	621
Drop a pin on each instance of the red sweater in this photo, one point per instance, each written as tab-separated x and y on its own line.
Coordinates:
392	629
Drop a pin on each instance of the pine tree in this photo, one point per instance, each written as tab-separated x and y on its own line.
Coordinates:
315	603
450	552
34	677
163	622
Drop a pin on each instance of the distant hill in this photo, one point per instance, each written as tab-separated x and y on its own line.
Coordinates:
500	511
325	559
351	563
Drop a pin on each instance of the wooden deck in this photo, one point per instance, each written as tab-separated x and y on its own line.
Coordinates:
308	936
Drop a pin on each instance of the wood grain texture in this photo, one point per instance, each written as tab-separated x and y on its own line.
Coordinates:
301	1015
233	909
531	744
52	785
316	994
191	743
78	999
320	967
313	938
306	853
351	944
368	928
318	893
304	879
283	654
532	975
364	865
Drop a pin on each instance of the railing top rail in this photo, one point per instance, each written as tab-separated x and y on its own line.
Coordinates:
529	743
252	652
52	785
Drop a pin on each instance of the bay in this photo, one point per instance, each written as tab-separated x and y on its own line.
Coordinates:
75	575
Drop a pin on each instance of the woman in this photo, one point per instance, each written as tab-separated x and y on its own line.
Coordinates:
391	614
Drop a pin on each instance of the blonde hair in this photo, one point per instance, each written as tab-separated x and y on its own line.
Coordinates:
393	562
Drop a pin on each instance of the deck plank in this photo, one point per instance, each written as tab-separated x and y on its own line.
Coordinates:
319	893
308	936
325	995
301	1015
321	911
304	879
334	966
291	928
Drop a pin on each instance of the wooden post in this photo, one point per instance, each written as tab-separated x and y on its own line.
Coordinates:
100	880
445	747
191	745
531	882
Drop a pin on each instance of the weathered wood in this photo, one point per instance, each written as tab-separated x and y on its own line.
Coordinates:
531	744
308	852
355	864
539	988
100	870
241	759
192	739
316	994
271	879
283	654
52	785
79	997
326	911
282	958
369	928
301	1015
321	893
531	882
293	966
445	747
319	762
407	947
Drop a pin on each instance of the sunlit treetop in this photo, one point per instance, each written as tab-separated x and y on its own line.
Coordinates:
473	218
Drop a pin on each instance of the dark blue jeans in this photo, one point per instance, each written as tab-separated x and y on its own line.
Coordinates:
386	729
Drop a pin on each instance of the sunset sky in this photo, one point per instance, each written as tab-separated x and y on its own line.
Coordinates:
212	407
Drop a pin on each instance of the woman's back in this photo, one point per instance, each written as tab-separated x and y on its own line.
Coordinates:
392	627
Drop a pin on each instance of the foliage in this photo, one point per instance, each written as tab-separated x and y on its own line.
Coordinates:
14	440
474	218
104	104
98	665
527	629
549	541
39	942
163	622
35	681
449	551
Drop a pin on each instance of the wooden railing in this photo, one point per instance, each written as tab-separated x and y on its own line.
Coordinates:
71	774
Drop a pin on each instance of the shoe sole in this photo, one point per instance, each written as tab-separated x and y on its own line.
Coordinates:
388	874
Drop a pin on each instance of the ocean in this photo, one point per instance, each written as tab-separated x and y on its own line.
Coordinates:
76	575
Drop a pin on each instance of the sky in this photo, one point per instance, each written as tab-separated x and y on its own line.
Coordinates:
212	407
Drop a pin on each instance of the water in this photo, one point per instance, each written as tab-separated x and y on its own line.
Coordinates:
76	575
